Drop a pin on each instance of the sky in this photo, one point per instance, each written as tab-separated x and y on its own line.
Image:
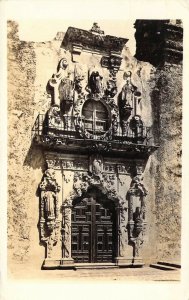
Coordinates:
45	30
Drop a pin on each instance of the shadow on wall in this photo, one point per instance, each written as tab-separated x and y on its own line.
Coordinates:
35	158
155	100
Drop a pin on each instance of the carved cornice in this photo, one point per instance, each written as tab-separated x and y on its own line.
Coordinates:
85	146
91	41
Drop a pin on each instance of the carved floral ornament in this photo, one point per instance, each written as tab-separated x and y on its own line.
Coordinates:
82	181
50	225
101	176
95	177
55	162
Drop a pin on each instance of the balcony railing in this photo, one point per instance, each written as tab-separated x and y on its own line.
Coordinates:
81	128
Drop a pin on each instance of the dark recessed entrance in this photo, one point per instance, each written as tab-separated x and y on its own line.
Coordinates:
93	229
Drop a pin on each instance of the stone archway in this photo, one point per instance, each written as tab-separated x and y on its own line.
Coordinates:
108	199
93	228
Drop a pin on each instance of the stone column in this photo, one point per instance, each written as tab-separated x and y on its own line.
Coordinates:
67	260
118	232
124	250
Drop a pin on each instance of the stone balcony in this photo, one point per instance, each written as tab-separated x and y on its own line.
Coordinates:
84	135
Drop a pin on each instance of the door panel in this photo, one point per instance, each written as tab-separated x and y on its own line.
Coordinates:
93	231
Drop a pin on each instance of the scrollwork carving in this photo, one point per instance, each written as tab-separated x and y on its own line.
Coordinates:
53	115
82	181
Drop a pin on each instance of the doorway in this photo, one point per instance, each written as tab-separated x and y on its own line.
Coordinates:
93	229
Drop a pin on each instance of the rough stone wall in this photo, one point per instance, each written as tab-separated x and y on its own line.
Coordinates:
168	95
163	40
28	75
30	66
21	77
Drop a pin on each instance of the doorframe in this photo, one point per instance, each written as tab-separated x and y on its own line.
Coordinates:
93	242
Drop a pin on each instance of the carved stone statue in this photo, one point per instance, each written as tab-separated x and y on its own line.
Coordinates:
128	90
78	84
111	89
136	212
54	82
96	165
95	83
49	199
96	29
137	184
49	222
136	125
126	99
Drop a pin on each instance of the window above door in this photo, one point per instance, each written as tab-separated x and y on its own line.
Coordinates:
95	117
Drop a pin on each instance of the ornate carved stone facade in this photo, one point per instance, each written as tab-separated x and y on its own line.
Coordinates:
93	186
97	145
100	181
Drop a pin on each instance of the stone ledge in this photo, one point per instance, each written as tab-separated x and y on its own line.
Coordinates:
91	41
129	262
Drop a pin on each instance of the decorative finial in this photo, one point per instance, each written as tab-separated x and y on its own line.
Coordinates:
96	28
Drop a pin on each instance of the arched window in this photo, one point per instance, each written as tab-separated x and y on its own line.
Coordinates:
95	116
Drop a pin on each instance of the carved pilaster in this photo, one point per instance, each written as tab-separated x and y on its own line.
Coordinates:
136	211
49	224
118	229
66	234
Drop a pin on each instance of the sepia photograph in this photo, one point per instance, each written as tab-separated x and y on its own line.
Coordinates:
94	150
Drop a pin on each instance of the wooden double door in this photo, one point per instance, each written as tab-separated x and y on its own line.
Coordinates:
93	230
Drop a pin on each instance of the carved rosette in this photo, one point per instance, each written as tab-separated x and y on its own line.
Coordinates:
49	224
136	211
